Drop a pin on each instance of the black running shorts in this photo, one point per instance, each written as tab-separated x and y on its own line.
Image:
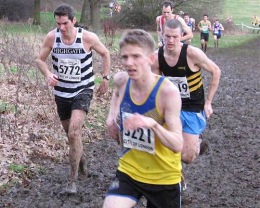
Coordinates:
158	196
79	102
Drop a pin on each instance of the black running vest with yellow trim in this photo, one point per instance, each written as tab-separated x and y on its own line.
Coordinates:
73	66
190	83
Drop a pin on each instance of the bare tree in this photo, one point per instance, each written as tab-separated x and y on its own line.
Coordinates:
85	14
36	15
95	6
90	14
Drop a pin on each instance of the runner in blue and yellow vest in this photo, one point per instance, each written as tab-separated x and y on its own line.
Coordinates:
149	108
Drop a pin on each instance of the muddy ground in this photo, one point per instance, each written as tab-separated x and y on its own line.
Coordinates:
227	176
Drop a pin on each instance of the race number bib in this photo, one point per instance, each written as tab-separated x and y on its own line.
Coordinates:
141	139
182	84
205	28
69	70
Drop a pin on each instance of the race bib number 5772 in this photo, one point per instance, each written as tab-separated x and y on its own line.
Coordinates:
69	70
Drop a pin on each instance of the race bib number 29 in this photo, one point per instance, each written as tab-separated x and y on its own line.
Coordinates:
69	70
141	139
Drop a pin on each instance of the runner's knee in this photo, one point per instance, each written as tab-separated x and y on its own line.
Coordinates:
188	158
189	154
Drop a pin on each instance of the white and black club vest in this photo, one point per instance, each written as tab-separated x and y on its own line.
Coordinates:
73	66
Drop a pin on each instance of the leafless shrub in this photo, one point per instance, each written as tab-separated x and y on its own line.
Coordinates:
109	29
27	106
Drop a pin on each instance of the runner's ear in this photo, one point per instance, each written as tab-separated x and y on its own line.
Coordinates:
152	58
74	20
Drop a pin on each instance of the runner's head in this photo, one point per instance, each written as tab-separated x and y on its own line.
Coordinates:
139	38
205	17
65	10
172	34
173	24
186	17
167	9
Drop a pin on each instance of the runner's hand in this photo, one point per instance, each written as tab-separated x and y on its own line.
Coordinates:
208	109
52	79
113	129
136	121
103	87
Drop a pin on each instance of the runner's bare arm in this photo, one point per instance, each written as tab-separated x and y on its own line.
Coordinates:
187	30
100	49
46	48
158	29
97	46
199	26
202	61
210	28
170	103
120	80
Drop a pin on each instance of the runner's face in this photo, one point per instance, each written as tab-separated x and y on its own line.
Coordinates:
136	60
205	18
65	25
186	18
172	38
167	12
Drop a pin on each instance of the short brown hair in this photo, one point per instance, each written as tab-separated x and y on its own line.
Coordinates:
168	3
173	24
65	10
138	37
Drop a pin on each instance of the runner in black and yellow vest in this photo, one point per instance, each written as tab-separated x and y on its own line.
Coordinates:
183	64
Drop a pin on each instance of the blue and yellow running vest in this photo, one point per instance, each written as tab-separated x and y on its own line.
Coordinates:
163	166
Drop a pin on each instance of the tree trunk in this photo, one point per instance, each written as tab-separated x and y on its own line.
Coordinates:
36	16
85	15
95	6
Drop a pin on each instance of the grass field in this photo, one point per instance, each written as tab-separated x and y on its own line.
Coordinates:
226	40
241	11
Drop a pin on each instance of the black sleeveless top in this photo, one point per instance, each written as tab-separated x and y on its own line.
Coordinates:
189	83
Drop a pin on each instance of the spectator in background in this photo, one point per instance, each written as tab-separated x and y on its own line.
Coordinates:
229	20
217	29
204	27
111	6
117	7
256	22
